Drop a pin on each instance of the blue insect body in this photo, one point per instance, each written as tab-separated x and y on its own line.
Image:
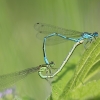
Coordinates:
87	35
57	35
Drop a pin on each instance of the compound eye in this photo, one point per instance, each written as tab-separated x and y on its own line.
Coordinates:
95	34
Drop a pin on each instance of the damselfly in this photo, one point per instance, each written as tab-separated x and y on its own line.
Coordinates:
9	79
57	35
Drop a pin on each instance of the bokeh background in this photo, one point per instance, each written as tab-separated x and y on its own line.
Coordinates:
21	49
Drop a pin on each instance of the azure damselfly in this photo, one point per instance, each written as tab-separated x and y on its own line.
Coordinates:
57	35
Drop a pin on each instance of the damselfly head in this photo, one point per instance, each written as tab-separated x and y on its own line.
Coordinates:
95	34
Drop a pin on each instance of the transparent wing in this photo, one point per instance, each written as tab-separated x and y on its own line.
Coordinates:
46	29
9	79
51	40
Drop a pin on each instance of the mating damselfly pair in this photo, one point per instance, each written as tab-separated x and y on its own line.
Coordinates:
50	35
55	35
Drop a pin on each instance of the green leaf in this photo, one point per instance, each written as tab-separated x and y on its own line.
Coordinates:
65	87
84	70
60	81
86	92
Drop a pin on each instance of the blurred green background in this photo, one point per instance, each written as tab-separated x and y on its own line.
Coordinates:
19	47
